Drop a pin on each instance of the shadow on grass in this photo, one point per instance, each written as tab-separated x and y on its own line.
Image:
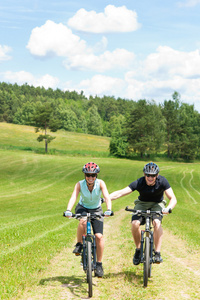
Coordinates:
76	284
129	276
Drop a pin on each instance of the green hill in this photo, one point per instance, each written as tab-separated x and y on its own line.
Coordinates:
24	137
35	189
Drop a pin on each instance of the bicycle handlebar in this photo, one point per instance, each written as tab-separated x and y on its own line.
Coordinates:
92	215
144	212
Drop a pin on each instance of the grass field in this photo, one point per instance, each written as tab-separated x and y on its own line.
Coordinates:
24	137
35	189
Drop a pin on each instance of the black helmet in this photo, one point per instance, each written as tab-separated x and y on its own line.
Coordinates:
151	169
91	168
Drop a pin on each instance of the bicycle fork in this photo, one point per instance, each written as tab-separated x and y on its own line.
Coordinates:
150	235
92	240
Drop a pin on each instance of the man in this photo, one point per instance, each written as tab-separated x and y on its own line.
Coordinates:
90	189
151	188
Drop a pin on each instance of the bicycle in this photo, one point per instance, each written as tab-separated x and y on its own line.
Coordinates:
147	242
88	255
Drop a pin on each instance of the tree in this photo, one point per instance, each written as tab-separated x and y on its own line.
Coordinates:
44	119
94	123
188	139
118	142
170	111
145	128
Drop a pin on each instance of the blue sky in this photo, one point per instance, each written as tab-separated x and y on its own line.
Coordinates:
129	49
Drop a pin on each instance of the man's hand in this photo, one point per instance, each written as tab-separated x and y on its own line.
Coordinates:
166	210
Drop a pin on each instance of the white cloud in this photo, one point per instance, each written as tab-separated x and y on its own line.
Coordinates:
54	39
3	53
22	77
57	39
169	62
101	45
189	3
113	19
102	85
119	58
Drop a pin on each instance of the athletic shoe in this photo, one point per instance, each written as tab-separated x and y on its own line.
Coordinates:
99	270
78	249
157	258
136	257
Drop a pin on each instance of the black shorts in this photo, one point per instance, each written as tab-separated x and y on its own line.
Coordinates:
141	205
97	224
142	219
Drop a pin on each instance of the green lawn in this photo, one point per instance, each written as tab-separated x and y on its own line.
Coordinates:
35	189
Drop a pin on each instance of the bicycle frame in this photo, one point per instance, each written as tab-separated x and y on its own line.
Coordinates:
91	239
146	252
89	247
148	233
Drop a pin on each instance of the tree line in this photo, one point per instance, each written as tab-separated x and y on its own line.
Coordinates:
136	127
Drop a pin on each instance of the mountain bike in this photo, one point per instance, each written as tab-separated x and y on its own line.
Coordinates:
147	243
88	256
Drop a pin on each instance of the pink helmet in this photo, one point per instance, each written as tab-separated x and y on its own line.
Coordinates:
91	168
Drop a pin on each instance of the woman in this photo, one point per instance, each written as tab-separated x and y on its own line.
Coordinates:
90	190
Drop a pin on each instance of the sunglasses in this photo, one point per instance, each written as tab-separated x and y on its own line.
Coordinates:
90	175
151	175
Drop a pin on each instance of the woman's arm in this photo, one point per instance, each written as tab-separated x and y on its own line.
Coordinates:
74	196
105	194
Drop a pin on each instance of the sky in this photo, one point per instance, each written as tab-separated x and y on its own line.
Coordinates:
128	49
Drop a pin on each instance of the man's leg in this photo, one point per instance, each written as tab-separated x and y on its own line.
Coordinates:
136	232
158	233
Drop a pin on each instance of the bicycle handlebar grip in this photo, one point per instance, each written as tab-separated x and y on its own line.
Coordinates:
170	211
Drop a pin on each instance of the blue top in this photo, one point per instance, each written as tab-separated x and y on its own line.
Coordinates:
90	200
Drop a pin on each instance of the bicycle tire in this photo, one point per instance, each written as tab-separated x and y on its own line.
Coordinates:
151	254
149	272
146	264
89	267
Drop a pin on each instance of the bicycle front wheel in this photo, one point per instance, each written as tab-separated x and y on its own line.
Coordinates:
89	267
146	265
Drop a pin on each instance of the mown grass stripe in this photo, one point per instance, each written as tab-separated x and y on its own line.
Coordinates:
181	182
32	240
15	225
190	182
23	192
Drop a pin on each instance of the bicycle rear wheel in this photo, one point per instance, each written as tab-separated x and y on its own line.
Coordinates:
146	264
89	267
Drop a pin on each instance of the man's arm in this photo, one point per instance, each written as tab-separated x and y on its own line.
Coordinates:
172	198
117	194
